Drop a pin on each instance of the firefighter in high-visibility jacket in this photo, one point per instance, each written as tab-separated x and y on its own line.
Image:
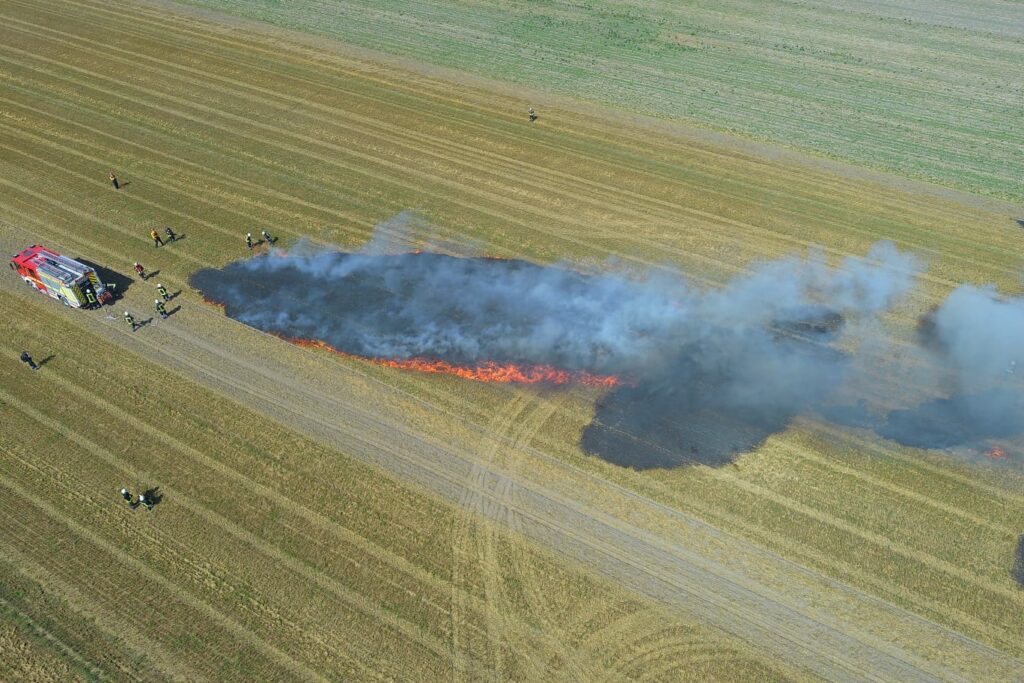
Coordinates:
162	291
160	308
130	319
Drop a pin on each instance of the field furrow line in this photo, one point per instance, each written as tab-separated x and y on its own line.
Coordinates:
64	206
440	95
874	538
53	641
557	641
521	172
184	191
399	169
431	464
866	445
902	491
252	191
227	623
882	591
101	610
360	660
185	218
424	461
324	581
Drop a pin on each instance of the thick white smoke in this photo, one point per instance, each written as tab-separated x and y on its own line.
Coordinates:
467	310
743	359
981	336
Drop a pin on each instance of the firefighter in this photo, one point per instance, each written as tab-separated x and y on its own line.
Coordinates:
127	495
27	359
162	291
248	240
113	180
160	308
533	114
130	319
267	238
171	237
157	242
140	270
143	500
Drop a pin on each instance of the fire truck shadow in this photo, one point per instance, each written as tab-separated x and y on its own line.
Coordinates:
115	281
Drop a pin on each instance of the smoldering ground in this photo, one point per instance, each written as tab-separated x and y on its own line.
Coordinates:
707	373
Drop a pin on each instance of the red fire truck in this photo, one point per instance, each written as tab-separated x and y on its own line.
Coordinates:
66	280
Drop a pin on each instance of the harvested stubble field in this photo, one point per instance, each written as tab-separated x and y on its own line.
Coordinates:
325	519
926	88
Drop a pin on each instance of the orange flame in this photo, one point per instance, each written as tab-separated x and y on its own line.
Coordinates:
218	304
996	452
485	372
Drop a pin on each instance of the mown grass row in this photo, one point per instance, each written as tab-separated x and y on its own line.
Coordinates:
928	97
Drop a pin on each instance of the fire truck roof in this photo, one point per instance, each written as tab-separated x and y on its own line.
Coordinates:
53	264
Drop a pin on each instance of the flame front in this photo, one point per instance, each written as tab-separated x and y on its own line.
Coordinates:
487	371
996	452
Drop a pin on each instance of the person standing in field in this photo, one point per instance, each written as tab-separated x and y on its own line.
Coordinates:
267	238
162	291
248	240
532	113
160	308
113	180
143	500
130	319
171	237
157	242
127	495
27	359
139	270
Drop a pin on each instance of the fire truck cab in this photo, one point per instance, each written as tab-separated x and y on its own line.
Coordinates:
70	282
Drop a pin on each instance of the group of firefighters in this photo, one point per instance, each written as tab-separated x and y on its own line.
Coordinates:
146	501
160	304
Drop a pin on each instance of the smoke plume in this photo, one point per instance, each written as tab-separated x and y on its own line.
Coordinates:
972	343
706	373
